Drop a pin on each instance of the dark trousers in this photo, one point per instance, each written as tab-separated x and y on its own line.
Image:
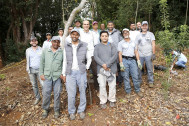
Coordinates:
93	67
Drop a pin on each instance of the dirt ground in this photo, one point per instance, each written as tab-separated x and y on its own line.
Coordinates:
154	109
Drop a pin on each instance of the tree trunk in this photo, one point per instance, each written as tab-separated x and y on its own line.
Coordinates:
136	14
186	13
70	20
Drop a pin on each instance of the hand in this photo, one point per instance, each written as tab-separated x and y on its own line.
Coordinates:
42	77
139	64
64	79
122	68
104	66
153	57
61	77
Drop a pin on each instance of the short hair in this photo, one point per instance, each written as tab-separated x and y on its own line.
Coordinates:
110	22
104	32
60	29
132	23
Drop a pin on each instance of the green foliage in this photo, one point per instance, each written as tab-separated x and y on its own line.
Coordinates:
2	77
14	52
183	37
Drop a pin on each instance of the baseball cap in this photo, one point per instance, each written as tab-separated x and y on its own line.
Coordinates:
95	22
48	33
144	22
75	30
125	29
33	37
55	38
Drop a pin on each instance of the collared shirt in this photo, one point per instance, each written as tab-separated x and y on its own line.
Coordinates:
47	44
34	58
89	39
96	35
127	48
75	65
133	35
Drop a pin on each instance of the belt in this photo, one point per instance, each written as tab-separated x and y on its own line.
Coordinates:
129	57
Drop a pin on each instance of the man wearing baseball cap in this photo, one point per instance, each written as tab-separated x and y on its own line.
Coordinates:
33	55
51	73
74	73
77	25
129	58
146	47
47	43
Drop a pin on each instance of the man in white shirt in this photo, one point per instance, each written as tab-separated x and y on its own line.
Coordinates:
47	43
74	73
77	25
68	38
133	32
60	34
181	59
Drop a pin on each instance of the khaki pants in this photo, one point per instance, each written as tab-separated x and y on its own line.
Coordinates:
102	86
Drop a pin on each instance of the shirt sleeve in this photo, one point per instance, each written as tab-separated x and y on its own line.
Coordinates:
64	64
120	46
88	56
152	37
42	62
114	56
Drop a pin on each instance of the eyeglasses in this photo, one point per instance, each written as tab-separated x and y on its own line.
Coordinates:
34	40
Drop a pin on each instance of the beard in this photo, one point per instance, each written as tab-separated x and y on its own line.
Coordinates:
74	40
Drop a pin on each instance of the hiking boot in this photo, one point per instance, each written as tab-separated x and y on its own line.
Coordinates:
140	94
45	113
128	95
72	116
103	106
112	104
56	114
37	101
151	85
82	115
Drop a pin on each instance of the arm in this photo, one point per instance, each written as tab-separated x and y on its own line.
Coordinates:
88	57
64	67
114	56
120	57
137	55
153	47
42	62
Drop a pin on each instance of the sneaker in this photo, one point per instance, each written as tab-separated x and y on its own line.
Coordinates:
82	115
45	113
56	114
140	94
37	101
112	104
128	95
72	116
103	106
151	85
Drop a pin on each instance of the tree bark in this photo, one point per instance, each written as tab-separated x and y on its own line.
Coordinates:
186	13
136	14
70	20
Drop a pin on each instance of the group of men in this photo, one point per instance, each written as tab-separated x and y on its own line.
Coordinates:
110	55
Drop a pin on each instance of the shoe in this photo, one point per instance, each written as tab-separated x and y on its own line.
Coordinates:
37	101
72	116
140	94
128	95
45	113
82	115
151	85
112	104
56	114
103	106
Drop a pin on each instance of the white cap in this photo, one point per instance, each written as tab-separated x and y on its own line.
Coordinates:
55	38
144	22
125	29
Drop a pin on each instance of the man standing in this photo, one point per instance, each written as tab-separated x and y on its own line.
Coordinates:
96	33
102	27
60	34
78	25
128	55
33	55
133	32
51	74
47	43
74	72
68	38
139	26
146	47
105	55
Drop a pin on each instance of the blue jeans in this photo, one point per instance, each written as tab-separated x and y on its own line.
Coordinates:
130	68
47	89
76	78
34	75
181	63
149	66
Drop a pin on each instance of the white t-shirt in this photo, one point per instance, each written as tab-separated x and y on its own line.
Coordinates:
181	56
133	35
47	44
96	36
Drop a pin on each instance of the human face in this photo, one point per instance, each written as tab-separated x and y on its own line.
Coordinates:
86	25
102	26
77	24
55	44
60	32
144	27
48	37
95	26
138	25
132	27
70	29
34	42
126	34
110	26
104	37
74	36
